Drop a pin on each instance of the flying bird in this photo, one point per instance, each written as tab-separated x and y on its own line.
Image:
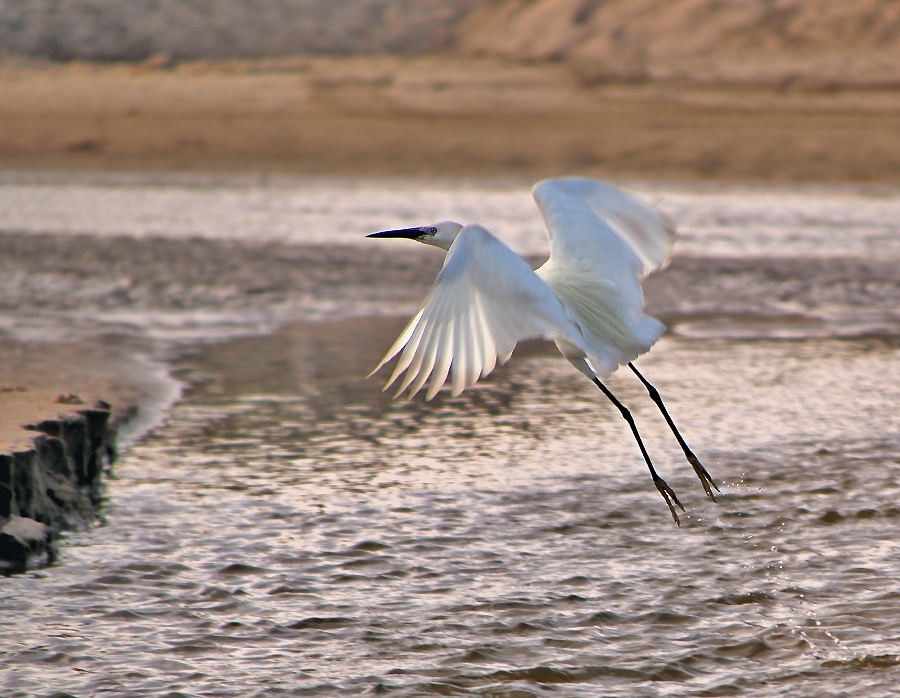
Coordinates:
587	298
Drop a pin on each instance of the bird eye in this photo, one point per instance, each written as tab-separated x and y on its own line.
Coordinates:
433	231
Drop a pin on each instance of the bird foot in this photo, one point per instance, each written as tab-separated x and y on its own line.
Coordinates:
669	495
705	478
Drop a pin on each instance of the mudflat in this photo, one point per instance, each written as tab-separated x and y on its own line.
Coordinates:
436	117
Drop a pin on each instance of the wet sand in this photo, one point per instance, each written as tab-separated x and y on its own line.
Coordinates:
435	117
41	381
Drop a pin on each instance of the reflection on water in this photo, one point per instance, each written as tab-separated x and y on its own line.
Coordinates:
324	363
291	531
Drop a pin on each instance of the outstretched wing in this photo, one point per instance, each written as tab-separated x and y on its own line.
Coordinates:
602	243
582	216
484	301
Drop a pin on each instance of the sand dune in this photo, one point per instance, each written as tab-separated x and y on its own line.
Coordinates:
137	29
749	89
812	43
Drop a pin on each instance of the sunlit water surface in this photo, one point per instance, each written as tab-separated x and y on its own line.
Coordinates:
289	530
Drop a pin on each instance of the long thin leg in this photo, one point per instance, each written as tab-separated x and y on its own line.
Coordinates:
667	493
705	478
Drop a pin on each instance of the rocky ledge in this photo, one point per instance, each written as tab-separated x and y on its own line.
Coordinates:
53	485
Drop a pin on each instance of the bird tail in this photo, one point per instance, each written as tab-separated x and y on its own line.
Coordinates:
605	358
647	331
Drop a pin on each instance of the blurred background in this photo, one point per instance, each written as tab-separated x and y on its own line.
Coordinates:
185	190
749	89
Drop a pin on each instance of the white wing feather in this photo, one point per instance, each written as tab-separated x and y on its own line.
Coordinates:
484	301
578	212
602	243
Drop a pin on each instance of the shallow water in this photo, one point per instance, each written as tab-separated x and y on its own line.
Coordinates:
289	530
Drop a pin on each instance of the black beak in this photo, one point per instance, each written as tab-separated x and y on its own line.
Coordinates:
408	233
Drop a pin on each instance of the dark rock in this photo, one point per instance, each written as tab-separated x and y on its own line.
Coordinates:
24	543
88	442
54	485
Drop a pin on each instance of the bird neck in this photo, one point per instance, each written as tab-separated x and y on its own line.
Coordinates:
444	242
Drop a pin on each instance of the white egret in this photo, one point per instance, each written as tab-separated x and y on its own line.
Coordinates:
587	298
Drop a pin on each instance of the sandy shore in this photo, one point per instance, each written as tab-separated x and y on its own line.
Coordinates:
40	381
434	117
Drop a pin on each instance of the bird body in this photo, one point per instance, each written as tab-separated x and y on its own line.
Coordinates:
486	299
612	332
587	297
602	242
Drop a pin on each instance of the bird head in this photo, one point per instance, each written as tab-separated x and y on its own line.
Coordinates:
440	234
